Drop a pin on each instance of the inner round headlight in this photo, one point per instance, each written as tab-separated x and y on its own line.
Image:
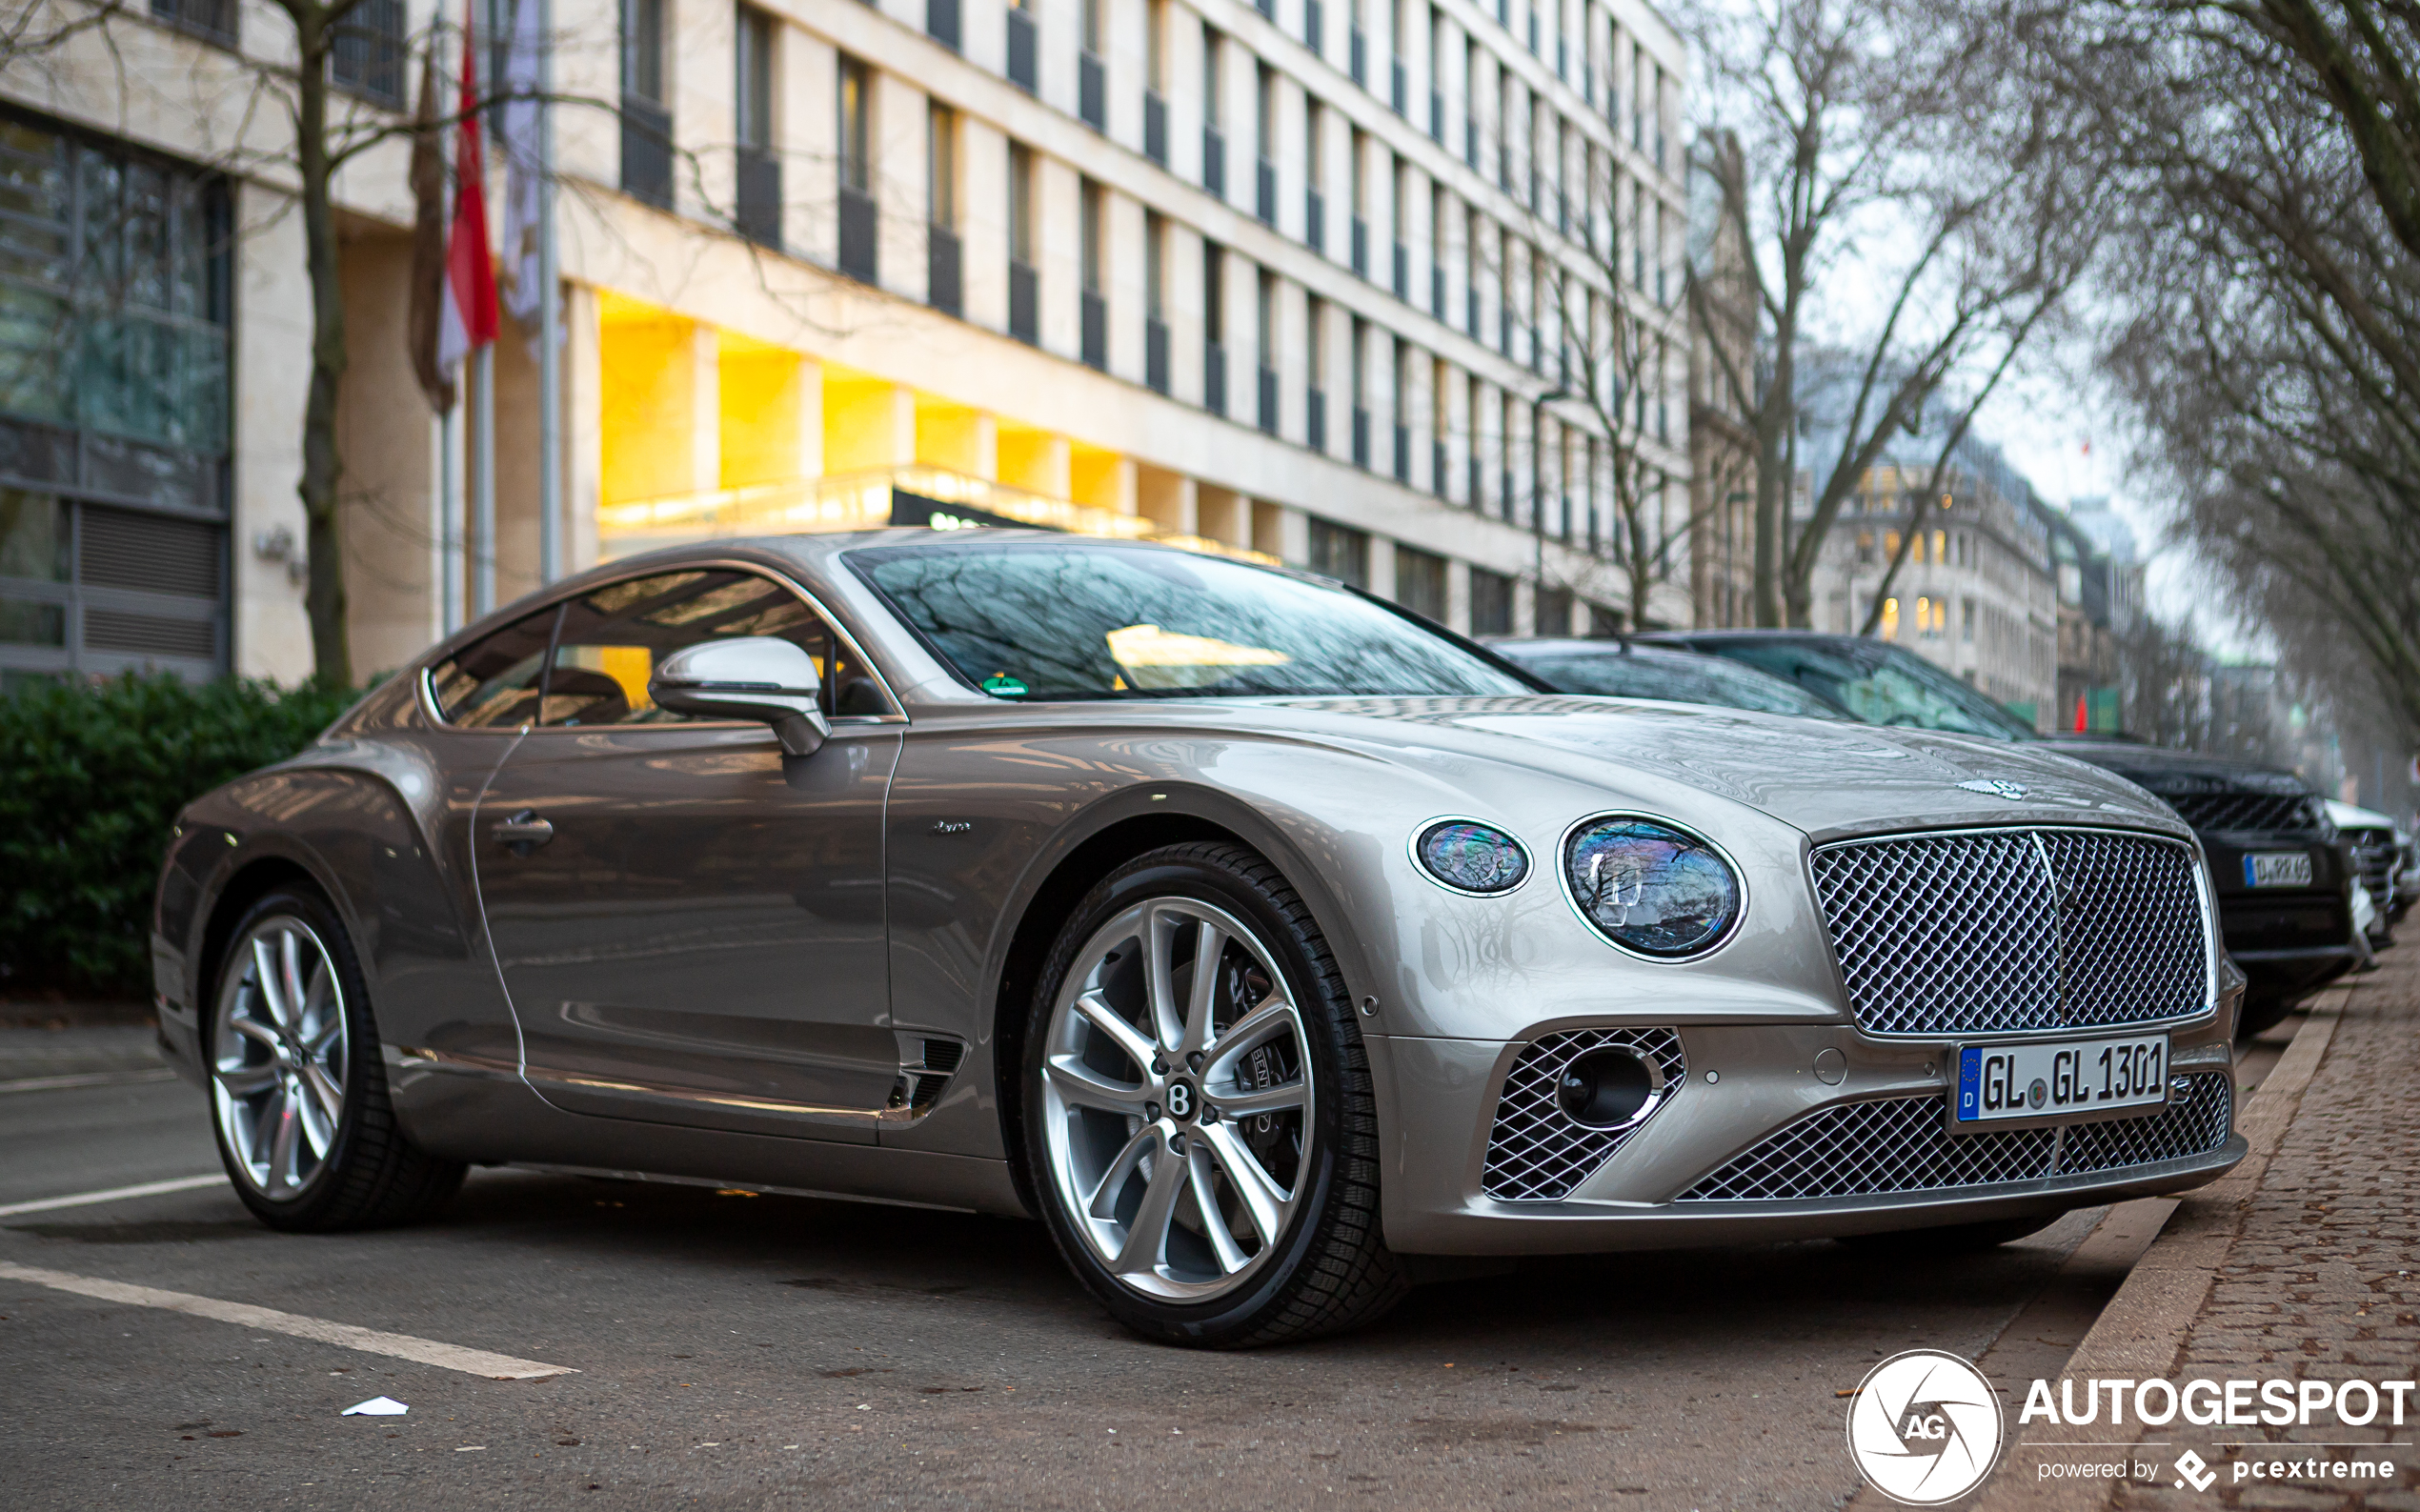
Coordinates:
1649	887
1471	857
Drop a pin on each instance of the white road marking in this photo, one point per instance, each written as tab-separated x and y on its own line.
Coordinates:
370	1340
115	1194
87	1079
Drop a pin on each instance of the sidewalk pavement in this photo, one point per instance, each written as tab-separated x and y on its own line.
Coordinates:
2303	1264
31	1056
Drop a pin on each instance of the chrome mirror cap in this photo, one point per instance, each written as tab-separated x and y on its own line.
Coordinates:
748	677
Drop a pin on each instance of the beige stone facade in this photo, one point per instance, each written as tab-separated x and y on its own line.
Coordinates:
1213	283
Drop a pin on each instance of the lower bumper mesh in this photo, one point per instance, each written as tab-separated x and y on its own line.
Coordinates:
1904	1144
1536	1154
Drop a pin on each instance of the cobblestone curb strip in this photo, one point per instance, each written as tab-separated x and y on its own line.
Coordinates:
2302	1263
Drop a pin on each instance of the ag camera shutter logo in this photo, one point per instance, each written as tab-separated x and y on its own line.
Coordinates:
1924	1427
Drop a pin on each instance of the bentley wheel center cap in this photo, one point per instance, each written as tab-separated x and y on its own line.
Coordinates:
1184	1100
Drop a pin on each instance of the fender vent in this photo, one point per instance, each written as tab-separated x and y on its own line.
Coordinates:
926	1064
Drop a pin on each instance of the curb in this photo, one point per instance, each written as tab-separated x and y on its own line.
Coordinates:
2143	1330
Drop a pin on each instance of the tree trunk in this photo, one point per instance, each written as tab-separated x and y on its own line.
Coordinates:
323	468
1773	419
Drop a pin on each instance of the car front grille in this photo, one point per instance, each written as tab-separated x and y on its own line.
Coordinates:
1904	1144
2374	861
2292	812
1535	1154
2008	931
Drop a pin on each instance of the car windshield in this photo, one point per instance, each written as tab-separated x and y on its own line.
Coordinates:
1682	678
1875	683
1087	619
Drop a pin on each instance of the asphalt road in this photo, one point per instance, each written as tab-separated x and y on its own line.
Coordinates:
773	1351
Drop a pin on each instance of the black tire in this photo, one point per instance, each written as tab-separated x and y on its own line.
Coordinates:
1329	1268
373	1175
1955	1238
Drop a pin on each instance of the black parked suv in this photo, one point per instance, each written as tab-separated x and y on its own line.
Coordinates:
2282	874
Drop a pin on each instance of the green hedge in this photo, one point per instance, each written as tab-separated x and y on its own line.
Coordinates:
92	778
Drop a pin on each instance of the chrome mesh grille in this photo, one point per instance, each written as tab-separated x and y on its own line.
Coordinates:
1862	1149
1903	1144
2196	1122
1537	1155
2002	931
2246	810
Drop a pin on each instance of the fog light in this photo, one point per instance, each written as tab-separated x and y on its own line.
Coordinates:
1609	1088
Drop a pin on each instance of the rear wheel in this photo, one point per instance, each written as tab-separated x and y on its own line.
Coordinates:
298	1095
1199	1124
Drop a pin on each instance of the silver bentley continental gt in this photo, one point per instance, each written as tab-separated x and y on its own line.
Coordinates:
1256	936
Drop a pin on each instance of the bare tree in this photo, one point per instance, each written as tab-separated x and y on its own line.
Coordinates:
1612	346
1904	199
2271	297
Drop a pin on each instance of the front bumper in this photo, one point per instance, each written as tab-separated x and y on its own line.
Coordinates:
1440	1100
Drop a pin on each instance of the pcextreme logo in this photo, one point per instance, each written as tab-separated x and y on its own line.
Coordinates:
1924	1427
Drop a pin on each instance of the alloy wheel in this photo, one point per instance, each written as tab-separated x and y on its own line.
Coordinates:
280	1048
1177	1099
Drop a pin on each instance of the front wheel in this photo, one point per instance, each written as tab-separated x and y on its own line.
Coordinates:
297	1094
1199	1115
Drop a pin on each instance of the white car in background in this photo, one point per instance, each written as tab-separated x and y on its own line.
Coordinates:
2377	857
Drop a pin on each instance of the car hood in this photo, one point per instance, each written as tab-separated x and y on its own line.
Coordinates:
2180	772
2352	817
1828	778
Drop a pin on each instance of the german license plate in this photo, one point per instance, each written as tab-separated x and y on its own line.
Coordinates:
2277	869
1996	1083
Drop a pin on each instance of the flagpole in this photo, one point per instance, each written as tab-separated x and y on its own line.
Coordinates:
450	519
549	325
483	481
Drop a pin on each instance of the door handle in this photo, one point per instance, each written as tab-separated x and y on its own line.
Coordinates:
523	833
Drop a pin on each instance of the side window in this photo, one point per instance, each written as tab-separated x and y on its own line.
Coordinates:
494	682
613	639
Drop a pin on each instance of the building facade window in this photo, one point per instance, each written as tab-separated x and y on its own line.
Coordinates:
1339	552
646	117
1092	211
1214	138
1314	177
368	56
1155	92
1092	75
859	241
945	251
1214	328
1491	603
114	380
1266	348
1314	365
1024	280
758	190
1420	582
1155	301
1024	68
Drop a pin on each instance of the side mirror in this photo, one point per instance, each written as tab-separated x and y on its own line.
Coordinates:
747	677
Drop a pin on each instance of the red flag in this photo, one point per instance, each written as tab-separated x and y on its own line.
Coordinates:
469	313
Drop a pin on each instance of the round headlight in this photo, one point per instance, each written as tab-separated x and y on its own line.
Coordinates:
1649	887
1471	857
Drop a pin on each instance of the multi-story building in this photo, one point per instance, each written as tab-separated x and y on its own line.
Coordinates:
1274	278
2093	552
1975	594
